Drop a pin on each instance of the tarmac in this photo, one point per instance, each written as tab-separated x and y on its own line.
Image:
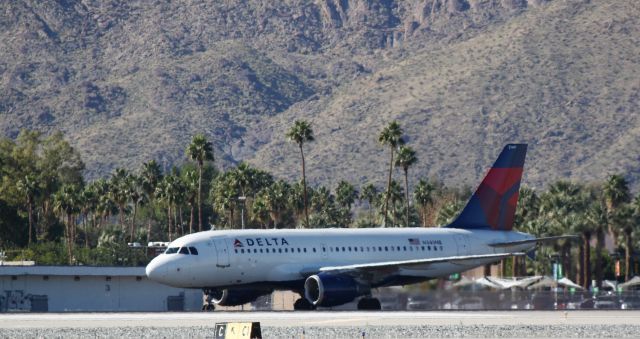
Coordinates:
320	319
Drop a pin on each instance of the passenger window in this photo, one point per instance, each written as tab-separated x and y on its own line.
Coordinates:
279	250
193	250
286	250
343	249
337	249
314	250
255	250
361	249
349	248
171	250
435	248
236	250
386	249
183	250
404	248
304	250
324	249
261	250
355	249
242	250
429	248
379	248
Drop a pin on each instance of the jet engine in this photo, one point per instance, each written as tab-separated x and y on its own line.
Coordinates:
235	296
332	289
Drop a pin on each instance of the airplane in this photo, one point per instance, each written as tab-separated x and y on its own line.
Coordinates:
331	267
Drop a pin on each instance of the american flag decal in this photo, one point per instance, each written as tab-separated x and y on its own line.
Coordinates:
414	241
237	243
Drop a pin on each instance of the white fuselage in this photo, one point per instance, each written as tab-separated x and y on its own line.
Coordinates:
278	257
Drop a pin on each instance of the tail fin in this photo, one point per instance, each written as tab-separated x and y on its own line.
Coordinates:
493	205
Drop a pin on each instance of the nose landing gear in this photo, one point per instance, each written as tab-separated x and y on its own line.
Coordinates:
207	305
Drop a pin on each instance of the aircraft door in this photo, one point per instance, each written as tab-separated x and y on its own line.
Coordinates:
222	252
462	241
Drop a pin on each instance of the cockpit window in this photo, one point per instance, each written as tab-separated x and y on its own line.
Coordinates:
193	250
171	250
183	250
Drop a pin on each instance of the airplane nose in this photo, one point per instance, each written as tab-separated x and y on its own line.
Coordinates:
156	271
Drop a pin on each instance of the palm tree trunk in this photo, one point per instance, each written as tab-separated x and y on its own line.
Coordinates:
148	230
627	254
199	197
514	266
586	265
406	195
386	199
304	186
30	208
133	221
599	243
580	267
169	221
181	220
487	270
191	220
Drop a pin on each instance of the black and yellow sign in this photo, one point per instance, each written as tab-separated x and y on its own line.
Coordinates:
238	331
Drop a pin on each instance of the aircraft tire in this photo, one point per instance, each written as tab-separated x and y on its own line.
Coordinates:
303	304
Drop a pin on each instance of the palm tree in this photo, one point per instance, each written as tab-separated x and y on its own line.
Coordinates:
300	133
423	196
369	193
89	204
190	179
66	204
616	193
137	197
390	136
598	217
224	194
631	217
395	196
119	191
406	158
29	188
151	175
200	150
346	194
275	199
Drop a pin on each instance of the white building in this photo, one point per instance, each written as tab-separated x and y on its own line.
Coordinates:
89	289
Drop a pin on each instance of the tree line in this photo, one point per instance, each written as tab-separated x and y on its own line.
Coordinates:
45	203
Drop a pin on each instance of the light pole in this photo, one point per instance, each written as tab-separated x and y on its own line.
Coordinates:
242	199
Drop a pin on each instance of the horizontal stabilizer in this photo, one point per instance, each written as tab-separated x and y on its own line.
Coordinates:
536	240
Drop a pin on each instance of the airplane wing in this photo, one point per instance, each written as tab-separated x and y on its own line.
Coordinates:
386	266
536	240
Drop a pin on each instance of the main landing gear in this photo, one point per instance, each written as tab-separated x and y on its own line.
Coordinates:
369	304
302	304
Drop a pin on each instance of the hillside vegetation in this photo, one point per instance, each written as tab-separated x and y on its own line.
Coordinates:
130	81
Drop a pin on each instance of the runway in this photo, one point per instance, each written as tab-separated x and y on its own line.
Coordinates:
320	319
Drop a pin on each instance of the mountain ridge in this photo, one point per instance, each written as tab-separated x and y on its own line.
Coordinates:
129	82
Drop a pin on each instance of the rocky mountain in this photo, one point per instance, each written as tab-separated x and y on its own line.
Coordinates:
128	81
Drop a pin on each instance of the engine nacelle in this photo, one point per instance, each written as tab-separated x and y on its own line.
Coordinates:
236	296
332	289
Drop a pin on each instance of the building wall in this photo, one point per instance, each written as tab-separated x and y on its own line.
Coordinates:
91	293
